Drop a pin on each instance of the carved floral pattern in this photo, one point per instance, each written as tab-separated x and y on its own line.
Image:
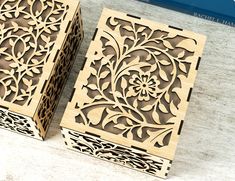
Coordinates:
17	123
62	69
144	85
28	29
134	86
118	154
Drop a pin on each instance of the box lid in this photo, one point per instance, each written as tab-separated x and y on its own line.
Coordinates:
32	33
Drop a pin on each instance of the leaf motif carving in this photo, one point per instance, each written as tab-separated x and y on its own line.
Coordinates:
14	65
8	82
92	86
147	108
129	122
45	39
159	137
105	86
15	25
149	56
128	28
135	103
29	73
13	88
157	53
95	115
164	62
111	117
140	132
156	117
120	126
35	70
167	44
162	107
123	83
163	75
3	49
104	74
181	54
118	94
167	97
182	67
27	82
140	29
187	44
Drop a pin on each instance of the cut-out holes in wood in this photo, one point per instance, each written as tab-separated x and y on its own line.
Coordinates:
109	151
135	83
56	83
32	37
28	30
18	123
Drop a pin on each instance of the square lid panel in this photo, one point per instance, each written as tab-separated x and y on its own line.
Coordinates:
136	83
31	33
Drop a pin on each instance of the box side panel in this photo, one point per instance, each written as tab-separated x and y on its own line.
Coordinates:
106	150
54	85
18	123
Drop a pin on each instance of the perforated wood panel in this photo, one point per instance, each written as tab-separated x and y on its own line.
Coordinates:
134	89
35	56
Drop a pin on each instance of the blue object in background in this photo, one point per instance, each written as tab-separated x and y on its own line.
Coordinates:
222	11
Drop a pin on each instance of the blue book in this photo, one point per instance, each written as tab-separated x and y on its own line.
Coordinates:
222	11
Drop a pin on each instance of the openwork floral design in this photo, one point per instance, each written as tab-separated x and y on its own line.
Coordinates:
28	30
134	81
144	85
18	123
56	83
116	153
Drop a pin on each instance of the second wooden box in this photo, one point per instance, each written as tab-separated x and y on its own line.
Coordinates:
38	44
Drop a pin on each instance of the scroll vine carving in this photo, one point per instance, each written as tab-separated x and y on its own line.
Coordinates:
115	153
131	97
133	88
56	83
18	123
28	29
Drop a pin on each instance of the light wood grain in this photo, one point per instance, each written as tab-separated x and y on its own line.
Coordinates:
162	66
32	79
206	148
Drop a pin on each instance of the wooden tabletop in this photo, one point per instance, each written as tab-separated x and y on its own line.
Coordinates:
206	150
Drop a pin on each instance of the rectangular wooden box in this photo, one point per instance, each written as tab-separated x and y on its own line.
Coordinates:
130	99
38	44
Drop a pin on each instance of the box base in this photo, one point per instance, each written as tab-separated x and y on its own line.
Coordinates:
105	150
19	123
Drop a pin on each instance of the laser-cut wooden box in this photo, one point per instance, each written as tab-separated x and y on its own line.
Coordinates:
130	99
38	43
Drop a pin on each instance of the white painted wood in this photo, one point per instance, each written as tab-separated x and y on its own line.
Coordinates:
206	150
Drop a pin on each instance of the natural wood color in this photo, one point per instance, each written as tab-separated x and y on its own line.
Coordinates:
33	48
136	84
108	151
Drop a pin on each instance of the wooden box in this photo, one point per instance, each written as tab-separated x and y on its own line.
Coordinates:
130	99
38	43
